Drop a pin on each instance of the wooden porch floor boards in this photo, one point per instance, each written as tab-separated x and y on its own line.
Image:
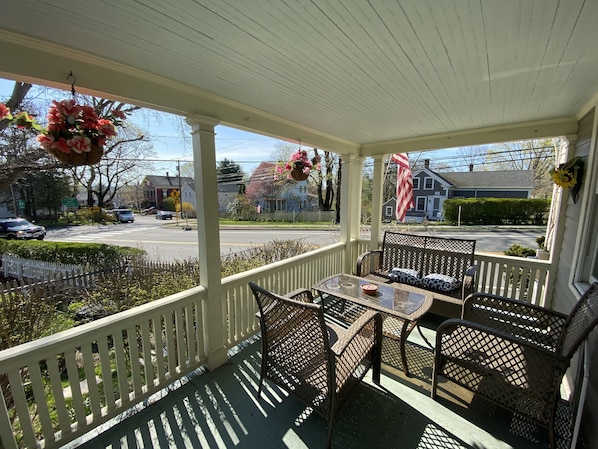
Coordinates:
219	409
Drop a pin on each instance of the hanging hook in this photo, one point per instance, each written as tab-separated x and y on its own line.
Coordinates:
70	75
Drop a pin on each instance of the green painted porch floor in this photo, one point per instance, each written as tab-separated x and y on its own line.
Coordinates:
219	409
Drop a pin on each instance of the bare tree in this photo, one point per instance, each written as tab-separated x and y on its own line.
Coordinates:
473	156
121	166
325	179
19	152
537	155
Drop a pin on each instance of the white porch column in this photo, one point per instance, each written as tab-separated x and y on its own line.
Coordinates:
350	212
377	189
208	234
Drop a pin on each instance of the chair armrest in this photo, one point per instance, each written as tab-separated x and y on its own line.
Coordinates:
368	262
368	326
301	294
516	318
468	281
486	346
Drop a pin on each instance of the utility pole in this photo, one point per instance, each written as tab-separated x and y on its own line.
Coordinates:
180	187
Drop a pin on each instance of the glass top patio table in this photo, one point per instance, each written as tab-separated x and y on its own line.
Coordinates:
401	305
401	300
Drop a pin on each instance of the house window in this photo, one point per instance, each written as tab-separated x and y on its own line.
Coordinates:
586	272
589	262
415	183
420	203
428	183
388	211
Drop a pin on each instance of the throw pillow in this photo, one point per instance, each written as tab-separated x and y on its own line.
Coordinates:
404	276
441	282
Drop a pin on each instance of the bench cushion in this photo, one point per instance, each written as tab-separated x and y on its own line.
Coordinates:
440	282
404	276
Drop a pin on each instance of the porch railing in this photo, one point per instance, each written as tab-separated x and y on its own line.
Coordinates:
302	271
513	277
60	387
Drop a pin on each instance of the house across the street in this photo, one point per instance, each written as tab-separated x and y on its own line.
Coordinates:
431	189
157	188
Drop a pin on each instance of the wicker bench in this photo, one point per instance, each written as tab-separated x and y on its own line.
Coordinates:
443	266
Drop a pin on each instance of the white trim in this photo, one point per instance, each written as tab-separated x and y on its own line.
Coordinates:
425	201
589	203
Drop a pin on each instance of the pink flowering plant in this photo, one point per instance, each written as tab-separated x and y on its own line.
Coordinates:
299	160
77	128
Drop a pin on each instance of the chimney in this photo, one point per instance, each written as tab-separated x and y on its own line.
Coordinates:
470	167
427	163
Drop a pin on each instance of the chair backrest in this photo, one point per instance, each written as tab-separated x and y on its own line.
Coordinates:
295	342
580	322
427	254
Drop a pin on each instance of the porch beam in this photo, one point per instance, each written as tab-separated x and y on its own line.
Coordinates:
208	234
565	126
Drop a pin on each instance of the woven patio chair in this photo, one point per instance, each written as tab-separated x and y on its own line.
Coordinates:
318	362
513	353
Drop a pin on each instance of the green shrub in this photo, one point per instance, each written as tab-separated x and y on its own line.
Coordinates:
520	251
93	215
140	282
87	254
26	316
260	255
496	211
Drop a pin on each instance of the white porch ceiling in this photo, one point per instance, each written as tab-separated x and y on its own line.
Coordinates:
362	76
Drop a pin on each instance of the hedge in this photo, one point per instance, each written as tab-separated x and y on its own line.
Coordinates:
497	211
87	254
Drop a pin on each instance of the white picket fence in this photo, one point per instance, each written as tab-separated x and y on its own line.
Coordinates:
17	267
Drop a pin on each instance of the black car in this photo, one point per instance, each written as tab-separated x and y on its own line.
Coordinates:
19	228
163	215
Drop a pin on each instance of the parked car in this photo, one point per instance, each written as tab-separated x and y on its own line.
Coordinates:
19	228
163	215
123	215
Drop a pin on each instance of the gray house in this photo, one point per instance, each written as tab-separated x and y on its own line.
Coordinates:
431	189
227	192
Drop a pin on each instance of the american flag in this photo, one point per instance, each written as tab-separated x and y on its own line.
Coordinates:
404	185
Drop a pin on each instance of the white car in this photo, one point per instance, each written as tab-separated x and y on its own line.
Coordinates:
123	215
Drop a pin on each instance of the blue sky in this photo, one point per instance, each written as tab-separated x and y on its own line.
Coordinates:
247	149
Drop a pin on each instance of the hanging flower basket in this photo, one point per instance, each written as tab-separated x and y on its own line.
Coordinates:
92	157
76	134
569	175
298	175
298	166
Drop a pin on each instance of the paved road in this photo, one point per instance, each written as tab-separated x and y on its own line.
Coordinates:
164	241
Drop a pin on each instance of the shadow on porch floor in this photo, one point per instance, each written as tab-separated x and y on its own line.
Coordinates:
219	409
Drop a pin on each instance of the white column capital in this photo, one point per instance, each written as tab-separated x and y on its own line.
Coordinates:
198	121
